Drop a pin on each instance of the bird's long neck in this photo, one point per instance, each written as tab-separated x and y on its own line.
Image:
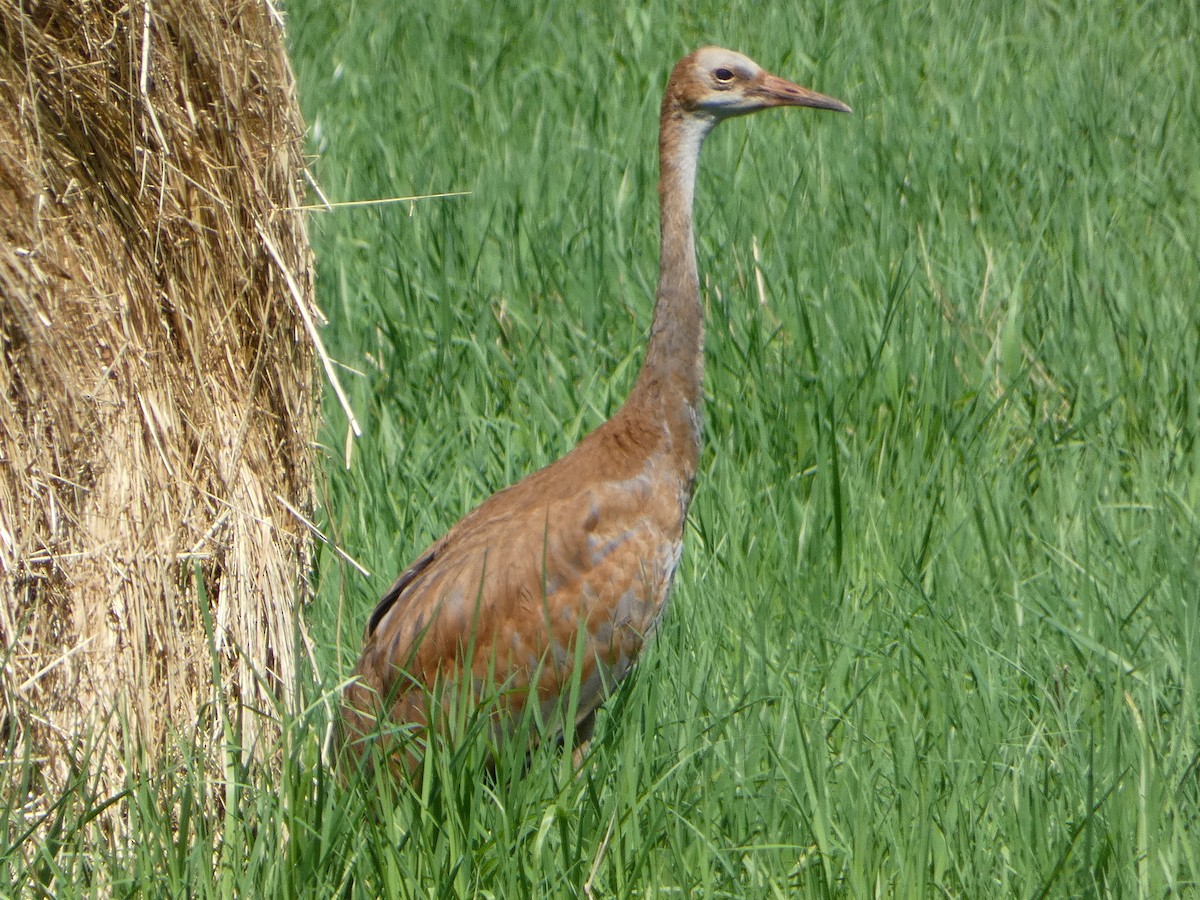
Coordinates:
669	384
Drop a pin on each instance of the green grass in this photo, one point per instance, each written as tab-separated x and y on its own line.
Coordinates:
937	627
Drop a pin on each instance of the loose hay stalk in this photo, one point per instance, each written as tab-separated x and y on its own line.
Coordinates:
157	401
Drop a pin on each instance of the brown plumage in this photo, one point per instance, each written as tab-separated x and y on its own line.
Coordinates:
588	545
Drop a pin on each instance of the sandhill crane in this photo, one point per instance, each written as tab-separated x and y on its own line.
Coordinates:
587	547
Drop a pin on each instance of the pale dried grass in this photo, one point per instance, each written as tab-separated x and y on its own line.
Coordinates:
157	396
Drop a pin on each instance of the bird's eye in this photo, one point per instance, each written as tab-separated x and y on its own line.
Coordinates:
723	75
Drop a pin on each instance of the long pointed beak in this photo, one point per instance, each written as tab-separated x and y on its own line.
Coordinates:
776	91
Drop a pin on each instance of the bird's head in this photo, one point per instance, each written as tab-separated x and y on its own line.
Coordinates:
717	84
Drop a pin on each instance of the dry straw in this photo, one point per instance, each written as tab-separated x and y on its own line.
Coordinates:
157	391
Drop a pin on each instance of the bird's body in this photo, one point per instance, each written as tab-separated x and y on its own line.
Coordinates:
588	546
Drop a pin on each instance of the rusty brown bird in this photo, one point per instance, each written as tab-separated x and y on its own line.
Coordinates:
588	546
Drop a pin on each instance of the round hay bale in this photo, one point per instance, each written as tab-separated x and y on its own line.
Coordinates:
157	405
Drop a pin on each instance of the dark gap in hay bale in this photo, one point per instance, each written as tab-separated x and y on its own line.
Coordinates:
157	397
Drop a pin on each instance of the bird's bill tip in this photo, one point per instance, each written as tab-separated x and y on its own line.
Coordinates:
778	91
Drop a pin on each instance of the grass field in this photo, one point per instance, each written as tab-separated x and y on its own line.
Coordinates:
937	627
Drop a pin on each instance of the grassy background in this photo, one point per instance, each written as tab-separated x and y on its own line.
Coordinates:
937	627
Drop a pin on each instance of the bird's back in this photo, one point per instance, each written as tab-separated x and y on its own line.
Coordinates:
586	546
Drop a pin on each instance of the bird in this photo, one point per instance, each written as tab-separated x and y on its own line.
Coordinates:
570	568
